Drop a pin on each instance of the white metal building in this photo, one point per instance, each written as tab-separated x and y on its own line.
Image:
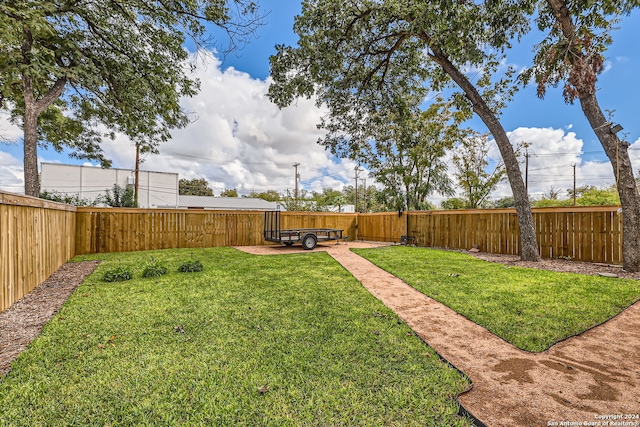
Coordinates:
227	203
155	188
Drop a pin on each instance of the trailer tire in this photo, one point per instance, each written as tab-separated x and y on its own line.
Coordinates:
309	241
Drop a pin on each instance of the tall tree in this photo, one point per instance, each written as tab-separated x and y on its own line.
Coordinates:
407	153
229	192
194	187
269	195
329	199
473	172
300	203
71	68
579	33
357	57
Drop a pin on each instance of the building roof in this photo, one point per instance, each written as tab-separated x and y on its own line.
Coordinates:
227	203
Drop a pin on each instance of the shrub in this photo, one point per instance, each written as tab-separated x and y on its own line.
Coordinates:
117	274
154	269
191	266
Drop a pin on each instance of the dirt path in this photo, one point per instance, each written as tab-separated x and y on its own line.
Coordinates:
577	382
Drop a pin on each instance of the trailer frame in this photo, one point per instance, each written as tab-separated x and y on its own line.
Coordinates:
308	237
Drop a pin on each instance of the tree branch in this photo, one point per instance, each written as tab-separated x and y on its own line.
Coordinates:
53	94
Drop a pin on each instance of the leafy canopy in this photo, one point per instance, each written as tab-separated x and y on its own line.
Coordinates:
572	53
194	187
407	153
473	172
362	58
90	69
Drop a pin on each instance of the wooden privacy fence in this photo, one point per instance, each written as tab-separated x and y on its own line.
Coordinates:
583	233
592	234
36	237
382	227
101	230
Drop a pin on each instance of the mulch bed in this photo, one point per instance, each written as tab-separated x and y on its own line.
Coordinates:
23	321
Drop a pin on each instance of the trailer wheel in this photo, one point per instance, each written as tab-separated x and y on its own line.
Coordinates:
309	241
288	243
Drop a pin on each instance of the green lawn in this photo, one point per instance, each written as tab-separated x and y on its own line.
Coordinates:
532	309
251	341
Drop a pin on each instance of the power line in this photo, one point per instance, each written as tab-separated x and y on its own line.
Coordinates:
222	162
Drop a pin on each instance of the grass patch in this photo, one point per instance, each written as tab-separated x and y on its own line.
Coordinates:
251	341
531	309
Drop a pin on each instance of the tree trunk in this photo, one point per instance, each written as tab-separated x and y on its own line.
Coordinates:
528	240
30	127
615	150
32	110
618	154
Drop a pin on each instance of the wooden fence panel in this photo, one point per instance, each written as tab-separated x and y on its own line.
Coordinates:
36	238
118	230
382	227
591	234
103	230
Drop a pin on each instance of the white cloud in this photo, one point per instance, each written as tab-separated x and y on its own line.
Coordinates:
552	154
11	174
239	139
8	131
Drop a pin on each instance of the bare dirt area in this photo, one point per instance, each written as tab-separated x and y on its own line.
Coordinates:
558	265
576	382
23	321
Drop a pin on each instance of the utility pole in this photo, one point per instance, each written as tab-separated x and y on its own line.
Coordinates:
574	184
136	184
364	186
526	171
297	178
357	170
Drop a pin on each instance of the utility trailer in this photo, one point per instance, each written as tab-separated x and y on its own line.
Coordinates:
308	237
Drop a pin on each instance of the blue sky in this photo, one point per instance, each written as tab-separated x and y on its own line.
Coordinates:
240	140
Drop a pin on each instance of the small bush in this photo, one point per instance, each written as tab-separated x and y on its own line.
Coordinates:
191	266
117	274
154	269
